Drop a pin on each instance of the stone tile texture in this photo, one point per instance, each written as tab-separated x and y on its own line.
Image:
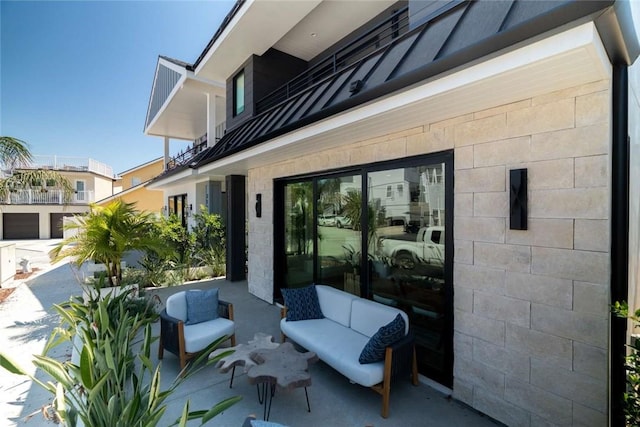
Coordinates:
530	317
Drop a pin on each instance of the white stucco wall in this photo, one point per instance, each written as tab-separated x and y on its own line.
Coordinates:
185	188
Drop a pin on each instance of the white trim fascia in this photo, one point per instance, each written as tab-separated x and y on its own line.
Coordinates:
584	36
140	166
170	180
225	33
172	65
192	76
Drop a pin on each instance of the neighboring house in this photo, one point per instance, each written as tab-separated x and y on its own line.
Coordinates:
512	124
131	187
37	213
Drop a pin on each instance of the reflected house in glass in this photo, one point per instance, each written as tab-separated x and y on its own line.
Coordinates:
399	121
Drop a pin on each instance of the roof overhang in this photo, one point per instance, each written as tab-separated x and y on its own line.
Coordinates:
183	114
300	28
571	58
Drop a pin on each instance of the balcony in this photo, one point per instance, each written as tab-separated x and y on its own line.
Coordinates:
72	164
380	35
47	197
185	156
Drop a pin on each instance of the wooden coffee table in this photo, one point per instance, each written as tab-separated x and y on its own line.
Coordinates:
282	367
241	355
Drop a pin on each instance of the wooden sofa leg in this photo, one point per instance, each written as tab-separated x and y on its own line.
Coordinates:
386	382
233	340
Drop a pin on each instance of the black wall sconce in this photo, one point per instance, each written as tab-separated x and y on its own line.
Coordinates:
518	199
258	205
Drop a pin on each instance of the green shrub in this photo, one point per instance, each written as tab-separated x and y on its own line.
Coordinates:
209	231
631	398
178	238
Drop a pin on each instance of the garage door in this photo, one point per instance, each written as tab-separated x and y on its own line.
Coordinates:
20	226
56	224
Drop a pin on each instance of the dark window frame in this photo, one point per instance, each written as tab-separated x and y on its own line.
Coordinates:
172	207
237	108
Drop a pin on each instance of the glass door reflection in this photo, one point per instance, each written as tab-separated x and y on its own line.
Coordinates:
298	234
406	251
338	209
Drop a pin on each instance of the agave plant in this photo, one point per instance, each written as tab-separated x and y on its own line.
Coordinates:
105	234
105	385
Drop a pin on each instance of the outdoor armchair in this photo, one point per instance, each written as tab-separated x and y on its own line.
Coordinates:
191	321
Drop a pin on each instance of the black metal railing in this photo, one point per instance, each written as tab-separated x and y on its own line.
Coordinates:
185	156
380	35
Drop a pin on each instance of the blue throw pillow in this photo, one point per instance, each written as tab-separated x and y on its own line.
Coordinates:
302	303
386	335
201	306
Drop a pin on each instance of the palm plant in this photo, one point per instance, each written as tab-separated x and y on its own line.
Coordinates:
13	152
105	234
15	161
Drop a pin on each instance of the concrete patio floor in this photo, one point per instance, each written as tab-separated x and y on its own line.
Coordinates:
333	400
27	318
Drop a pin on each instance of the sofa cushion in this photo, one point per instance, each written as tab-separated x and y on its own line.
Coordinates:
202	306
197	337
337	346
374	350
368	316
302	303
335	304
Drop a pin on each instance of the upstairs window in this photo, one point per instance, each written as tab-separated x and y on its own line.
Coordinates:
238	93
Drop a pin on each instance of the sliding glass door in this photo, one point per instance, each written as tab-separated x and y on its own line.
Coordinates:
383	232
298	234
407	248
338	232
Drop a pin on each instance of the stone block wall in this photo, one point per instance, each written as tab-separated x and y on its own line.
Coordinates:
531	317
530	306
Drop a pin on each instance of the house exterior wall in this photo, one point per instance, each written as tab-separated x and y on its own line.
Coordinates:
143	174
44	212
186	188
100	185
530	307
145	200
262	75
103	187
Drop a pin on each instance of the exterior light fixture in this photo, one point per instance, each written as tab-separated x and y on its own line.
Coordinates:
258	205
518	199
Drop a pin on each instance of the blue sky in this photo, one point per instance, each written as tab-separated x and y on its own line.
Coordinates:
75	76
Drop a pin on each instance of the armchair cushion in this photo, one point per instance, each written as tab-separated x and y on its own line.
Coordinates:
197	337
388	334
302	303
202	306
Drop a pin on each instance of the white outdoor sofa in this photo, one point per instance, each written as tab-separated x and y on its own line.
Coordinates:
338	340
